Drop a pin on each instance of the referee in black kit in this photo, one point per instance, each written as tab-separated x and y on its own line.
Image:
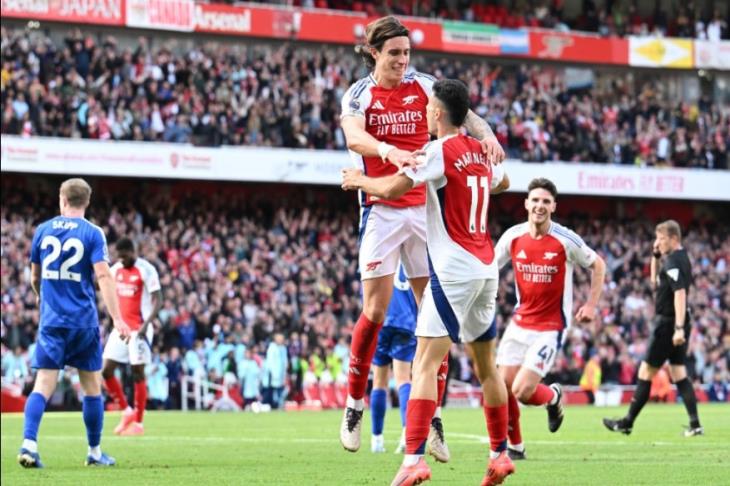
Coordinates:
670	329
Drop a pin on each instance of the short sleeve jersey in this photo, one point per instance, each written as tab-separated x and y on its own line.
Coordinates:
458	179
67	249
675	274
135	286
543	269
396	116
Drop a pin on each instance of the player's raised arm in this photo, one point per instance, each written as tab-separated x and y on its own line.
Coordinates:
480	129
109	296
388	187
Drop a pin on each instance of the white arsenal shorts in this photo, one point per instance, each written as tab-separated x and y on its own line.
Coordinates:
535	350
137	351
389	235
464	311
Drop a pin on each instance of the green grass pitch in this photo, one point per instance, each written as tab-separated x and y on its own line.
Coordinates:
303	448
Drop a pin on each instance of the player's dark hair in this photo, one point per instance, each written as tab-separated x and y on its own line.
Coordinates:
543	183
124	244
376	33
454	95
671	228
77	192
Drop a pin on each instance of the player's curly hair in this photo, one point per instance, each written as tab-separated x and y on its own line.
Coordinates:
376	33
124	244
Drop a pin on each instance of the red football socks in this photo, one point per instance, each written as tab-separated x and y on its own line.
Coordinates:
497	419
513	430
362	350
441	380
115	391
418	423
140	399
542	395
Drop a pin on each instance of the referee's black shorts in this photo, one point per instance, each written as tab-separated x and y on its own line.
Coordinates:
661	347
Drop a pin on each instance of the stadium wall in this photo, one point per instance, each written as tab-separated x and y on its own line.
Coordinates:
317	25
259	164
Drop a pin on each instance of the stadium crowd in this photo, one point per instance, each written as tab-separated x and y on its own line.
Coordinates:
260	286
289	96
608	18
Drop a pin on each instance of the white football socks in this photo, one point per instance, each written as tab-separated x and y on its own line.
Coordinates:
95	452
30	445
356	404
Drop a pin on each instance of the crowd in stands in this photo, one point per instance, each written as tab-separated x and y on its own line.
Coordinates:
260	288
286	95
607	18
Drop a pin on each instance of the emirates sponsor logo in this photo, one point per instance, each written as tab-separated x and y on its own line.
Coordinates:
409	116
536	273
399	123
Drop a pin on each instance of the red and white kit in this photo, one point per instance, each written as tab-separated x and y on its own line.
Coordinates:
391	230
135	286
543	269
460	298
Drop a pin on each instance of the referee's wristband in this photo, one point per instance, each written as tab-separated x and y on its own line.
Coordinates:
384	149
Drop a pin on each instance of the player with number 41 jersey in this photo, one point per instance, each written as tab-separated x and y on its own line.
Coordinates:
543	254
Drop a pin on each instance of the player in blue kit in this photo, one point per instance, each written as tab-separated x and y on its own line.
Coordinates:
397	345
67	251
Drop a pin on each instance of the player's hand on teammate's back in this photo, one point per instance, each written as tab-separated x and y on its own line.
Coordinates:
350	179
492	148
586	313
402	158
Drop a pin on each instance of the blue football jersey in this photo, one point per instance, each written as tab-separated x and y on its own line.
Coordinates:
67	249
402	311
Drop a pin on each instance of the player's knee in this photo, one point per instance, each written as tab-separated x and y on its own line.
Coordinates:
521	392
375	312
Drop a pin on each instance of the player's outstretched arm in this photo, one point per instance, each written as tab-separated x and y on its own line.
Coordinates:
480	129
109	296
360	141
388	187
588	312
